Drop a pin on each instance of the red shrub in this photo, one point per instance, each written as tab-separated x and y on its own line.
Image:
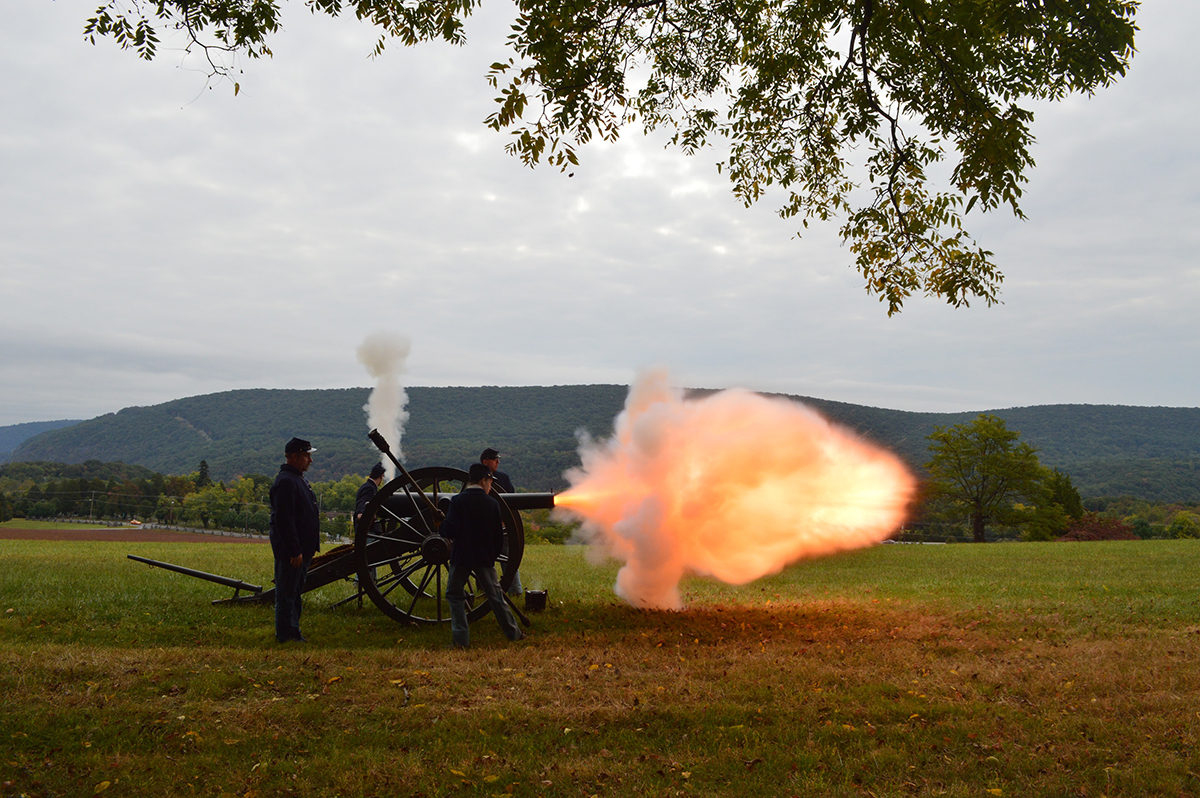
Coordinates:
1092	527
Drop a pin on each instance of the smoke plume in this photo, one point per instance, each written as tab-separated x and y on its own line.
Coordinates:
734	485
385	356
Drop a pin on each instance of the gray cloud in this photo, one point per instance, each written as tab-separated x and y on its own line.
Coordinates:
158	239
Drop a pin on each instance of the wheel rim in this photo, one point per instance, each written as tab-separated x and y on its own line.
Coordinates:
402	565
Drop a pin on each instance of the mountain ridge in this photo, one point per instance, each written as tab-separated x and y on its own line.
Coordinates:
1150	452
13	435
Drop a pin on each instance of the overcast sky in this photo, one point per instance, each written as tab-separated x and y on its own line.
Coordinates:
159	240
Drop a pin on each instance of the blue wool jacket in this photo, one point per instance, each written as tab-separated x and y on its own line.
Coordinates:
473	523
295	520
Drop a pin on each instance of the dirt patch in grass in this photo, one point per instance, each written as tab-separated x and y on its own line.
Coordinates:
126	534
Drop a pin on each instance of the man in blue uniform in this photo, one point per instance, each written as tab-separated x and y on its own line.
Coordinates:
473	525
366	493
295	536
491	458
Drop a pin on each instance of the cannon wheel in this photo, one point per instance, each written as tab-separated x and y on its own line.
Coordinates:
403	565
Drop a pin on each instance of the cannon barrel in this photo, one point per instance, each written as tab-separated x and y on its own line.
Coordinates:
228	581
529	501
403	504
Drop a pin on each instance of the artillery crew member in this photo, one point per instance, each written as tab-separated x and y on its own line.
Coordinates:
367	492
295	536
491	458
477	534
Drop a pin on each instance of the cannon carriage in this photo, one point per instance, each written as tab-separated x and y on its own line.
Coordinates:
399	559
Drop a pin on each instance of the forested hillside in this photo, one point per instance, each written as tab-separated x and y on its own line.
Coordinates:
16	474
1109	450
14	435
240	432
1150	452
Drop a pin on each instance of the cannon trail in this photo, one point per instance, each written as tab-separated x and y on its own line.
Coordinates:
734	485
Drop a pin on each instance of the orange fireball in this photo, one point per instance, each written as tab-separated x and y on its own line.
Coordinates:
734	485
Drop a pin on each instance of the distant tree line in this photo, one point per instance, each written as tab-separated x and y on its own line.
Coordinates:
982	484
982	479
38	490
1149	452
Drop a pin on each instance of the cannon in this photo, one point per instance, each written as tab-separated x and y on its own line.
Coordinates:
398	558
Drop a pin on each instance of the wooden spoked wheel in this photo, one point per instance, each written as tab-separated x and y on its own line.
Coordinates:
403	561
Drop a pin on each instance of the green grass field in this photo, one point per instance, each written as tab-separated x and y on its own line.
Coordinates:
21	523
961	670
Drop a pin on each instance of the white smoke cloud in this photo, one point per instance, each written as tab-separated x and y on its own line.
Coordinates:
385	356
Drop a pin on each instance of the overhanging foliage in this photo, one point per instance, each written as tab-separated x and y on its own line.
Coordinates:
844	106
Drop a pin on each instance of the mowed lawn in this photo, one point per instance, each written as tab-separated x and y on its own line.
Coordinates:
962	670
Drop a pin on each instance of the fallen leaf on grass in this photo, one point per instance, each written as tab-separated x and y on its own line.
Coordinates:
101	787
333	679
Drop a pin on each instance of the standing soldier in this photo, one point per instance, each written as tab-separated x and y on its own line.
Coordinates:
491	458
295	536
367	492
473	524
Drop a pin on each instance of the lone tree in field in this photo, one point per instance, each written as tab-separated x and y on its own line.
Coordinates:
981	471
806	97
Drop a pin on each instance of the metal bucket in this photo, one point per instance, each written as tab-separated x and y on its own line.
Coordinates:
535	600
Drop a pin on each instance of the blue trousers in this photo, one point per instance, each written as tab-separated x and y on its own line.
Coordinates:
514	587
289	586
485	581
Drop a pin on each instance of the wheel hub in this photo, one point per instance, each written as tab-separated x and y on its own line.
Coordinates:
436	550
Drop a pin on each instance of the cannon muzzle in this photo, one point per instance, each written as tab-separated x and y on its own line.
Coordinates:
528	501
